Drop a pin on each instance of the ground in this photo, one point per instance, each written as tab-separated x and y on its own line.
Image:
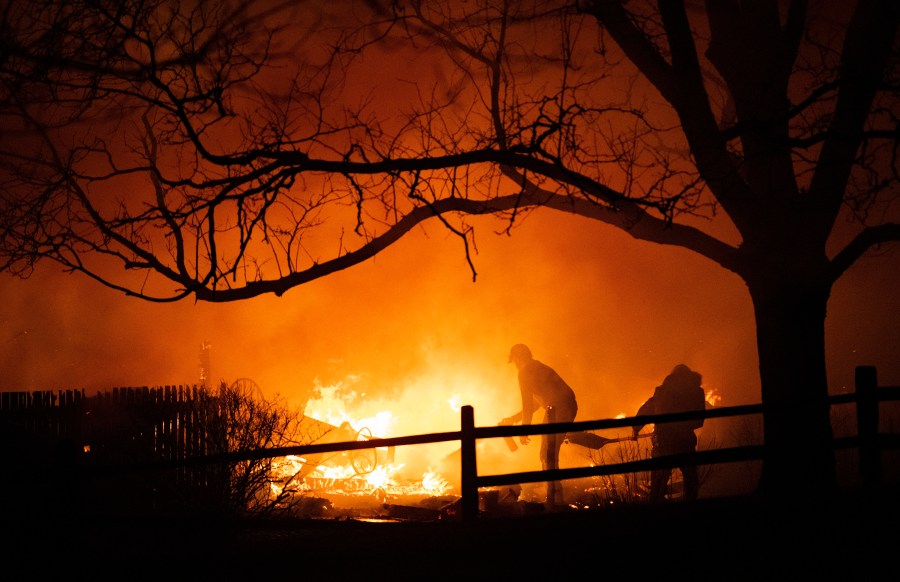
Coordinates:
852	537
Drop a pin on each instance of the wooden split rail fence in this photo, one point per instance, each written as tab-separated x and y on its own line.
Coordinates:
158	433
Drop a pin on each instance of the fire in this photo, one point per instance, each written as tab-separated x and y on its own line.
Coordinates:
455	402
331	406
434	483
370	472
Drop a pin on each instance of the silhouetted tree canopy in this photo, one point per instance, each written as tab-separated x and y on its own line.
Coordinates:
228	150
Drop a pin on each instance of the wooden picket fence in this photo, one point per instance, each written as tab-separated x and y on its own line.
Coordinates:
63	445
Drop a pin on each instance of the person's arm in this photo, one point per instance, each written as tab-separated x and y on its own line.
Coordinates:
527	406
646	408
509	421
512	419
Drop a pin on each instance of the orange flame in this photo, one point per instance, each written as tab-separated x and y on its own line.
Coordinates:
339	475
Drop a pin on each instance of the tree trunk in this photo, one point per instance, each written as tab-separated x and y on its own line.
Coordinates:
800	461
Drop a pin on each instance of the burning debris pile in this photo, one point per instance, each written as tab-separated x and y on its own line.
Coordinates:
374	483
358	483
365	478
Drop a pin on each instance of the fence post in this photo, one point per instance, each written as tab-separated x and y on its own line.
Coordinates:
469	468
867	425
553	487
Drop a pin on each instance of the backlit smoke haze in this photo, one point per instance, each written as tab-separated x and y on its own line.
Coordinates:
610	314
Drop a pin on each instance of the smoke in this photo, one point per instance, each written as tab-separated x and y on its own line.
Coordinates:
611	315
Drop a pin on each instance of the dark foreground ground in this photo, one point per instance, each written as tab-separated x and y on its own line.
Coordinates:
853	536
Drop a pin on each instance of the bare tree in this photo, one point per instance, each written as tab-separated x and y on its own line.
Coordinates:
228	150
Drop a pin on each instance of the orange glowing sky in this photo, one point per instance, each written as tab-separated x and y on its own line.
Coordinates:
411	327
411	331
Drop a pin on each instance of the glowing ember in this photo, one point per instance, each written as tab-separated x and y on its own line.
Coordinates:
366	472
434	483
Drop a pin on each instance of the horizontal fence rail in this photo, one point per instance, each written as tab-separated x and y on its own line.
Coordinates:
868	439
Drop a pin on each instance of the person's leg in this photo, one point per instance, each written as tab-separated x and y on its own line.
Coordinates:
659	478
689	473
550	446
659	481
691	482
549	452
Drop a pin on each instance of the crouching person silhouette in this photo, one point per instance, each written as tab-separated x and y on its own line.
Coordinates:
681	391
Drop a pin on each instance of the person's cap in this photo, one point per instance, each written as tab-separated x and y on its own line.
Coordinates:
519	350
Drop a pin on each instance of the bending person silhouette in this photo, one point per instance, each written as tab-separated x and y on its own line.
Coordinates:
541	387
681	391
